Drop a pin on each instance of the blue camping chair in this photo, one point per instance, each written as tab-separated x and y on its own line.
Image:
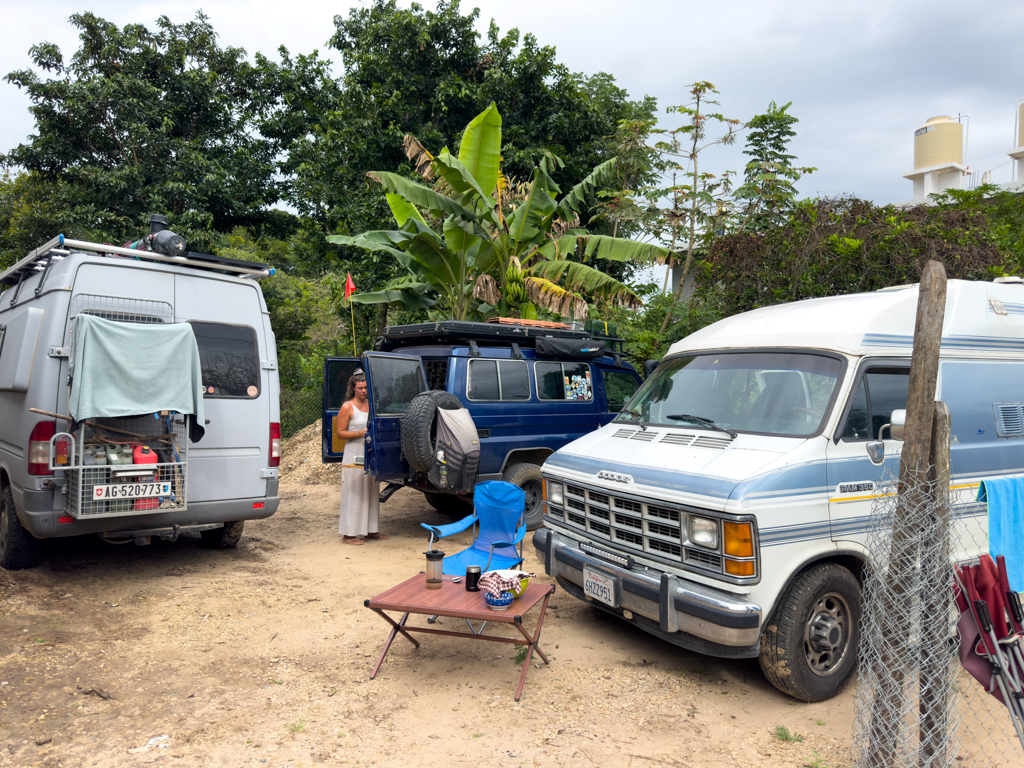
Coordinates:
498	508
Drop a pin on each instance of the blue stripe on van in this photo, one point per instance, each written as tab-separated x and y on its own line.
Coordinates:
948	342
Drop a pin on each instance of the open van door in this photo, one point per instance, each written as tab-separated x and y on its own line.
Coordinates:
337	372
392	382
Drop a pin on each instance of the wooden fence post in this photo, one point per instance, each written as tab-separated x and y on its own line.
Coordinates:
913	482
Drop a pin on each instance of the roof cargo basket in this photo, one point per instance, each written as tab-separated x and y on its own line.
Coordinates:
43	257
487	334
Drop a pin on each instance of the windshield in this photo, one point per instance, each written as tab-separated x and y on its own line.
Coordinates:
769	392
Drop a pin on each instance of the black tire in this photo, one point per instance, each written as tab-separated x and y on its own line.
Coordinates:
809	645
226	537
449	504
18	548
527	477
419	426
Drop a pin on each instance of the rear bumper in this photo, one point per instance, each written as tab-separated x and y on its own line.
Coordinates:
686	614
39	518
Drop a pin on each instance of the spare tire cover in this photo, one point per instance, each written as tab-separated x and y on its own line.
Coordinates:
419	426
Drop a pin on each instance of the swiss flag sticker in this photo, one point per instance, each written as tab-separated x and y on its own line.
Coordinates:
99	492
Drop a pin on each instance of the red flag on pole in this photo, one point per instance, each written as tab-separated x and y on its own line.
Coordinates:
350	287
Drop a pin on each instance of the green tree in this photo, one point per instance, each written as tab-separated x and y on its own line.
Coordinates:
696	205
427	74
768	191
480	248
143	121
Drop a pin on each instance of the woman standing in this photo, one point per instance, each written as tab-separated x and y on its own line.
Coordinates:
360	500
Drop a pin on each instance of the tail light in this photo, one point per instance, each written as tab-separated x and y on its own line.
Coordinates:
275	444
39	447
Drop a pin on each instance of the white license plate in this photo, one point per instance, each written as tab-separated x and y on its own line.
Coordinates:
131	490
599	587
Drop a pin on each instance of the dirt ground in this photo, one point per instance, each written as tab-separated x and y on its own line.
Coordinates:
176	655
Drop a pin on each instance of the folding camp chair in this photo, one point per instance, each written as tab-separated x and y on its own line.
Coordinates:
990	634
499	507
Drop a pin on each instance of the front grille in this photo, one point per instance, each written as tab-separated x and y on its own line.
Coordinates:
704	559
629	506
668	531
634	525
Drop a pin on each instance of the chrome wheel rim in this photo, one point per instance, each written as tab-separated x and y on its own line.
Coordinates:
827	634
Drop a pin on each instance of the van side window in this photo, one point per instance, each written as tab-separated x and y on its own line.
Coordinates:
619	386
880	392
564	381
498	380
227	355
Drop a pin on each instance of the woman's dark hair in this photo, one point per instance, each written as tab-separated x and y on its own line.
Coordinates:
350	391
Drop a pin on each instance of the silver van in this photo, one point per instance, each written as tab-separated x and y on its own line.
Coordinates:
57	483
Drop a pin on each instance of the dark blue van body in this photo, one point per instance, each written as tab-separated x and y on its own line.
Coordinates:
525	406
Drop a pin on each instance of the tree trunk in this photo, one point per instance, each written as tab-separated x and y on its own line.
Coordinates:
382	320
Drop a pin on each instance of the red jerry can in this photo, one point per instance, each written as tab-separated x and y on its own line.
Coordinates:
143	454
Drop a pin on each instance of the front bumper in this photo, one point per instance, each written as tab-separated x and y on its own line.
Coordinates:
683	613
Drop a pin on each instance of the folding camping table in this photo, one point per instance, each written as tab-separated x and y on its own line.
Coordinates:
453	601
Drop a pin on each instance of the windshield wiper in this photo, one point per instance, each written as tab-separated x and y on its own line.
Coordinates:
701	420
636	418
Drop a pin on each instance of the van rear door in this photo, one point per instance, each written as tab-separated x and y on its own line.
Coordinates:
337	372
392	382
226	316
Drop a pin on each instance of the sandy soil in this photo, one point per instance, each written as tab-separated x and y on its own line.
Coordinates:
261	656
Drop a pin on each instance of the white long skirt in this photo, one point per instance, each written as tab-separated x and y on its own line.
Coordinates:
360	503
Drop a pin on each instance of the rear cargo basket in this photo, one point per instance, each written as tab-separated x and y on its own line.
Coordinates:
95	487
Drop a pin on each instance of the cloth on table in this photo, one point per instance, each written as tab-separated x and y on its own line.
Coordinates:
133	369
496	582
360	492
1005	499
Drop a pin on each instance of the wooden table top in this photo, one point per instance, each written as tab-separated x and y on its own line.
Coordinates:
412	596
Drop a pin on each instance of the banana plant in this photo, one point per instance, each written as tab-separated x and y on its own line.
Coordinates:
521	260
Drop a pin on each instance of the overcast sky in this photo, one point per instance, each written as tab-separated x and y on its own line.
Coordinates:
862	76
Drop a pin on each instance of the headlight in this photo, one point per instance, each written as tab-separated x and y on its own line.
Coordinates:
555	494
704	532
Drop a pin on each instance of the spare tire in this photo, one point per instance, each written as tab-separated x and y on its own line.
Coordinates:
419	426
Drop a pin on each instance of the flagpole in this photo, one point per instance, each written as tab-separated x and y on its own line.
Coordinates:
353	312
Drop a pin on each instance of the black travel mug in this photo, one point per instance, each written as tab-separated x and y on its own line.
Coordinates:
472	578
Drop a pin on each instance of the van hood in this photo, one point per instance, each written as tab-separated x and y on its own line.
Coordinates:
682	462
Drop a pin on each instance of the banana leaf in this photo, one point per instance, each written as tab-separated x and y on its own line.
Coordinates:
402	209
406	299
480	150
583	278
424	197
458	176
576	199
619	249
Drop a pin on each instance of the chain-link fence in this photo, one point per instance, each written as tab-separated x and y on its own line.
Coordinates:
916	705
299	409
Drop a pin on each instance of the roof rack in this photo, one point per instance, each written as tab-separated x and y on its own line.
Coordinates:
494	334
43	257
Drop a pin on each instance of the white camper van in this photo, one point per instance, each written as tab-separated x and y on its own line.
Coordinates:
726	508
132	476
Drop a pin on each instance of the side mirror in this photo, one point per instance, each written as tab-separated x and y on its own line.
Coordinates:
649	366
897	422
876	451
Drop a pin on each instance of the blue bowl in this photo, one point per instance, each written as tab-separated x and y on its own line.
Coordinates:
499	603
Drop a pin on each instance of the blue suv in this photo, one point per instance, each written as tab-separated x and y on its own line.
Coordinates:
530	387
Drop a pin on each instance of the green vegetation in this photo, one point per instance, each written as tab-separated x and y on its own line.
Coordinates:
782	734
548	192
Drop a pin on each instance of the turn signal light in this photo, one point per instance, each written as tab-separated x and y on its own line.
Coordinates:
739	541
39	447
275	445
739	567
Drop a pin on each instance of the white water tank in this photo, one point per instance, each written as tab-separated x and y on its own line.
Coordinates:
938	142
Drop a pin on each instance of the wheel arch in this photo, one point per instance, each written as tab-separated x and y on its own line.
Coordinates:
850	559
536	455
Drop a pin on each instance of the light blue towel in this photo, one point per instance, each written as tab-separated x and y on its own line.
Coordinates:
130	369
1005	497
